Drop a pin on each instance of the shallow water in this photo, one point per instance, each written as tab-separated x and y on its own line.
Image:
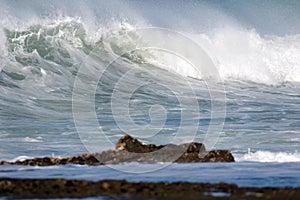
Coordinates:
247	174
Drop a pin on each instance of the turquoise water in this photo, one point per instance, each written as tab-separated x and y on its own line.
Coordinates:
253	93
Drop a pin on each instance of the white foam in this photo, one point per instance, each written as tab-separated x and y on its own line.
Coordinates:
238	53
241	54
20	158
267	156
28	139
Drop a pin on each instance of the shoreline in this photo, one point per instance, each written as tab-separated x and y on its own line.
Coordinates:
62	188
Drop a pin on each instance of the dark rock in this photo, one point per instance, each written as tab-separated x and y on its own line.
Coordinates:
132	150
195	147
217	156
119	189
131	144
185	153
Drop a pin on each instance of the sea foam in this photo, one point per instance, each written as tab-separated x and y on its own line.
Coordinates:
268	156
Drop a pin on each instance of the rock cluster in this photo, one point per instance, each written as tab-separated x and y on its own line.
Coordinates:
131	144
84	159
132	150
121	189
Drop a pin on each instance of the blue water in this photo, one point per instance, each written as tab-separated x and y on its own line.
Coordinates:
247	101
243	174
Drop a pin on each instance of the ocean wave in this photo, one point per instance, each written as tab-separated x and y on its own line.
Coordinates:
20	158
268	156
254	46
239	54
39	39
43	60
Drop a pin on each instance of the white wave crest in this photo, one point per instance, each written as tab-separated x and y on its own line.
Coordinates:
267	156
246	55
20	158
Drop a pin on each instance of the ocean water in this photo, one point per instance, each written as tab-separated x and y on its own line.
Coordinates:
75	76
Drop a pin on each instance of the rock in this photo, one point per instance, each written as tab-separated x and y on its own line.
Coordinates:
217	156
130	149
195	147
121	189
131	144
184	153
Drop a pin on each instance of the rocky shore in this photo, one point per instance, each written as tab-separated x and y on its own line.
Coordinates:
129	149
121	189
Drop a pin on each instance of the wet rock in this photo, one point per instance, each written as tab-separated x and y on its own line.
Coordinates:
119	189
217	156
131	144
4	163
184	153
130	149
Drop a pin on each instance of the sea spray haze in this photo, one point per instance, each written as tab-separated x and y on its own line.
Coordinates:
254	46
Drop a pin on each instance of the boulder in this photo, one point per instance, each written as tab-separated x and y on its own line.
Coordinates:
131	144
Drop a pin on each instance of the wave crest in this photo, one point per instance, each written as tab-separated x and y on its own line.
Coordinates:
267	156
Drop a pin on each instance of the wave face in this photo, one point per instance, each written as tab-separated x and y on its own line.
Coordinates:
243	50
255	47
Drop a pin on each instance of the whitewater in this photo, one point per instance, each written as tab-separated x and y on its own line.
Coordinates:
254	49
